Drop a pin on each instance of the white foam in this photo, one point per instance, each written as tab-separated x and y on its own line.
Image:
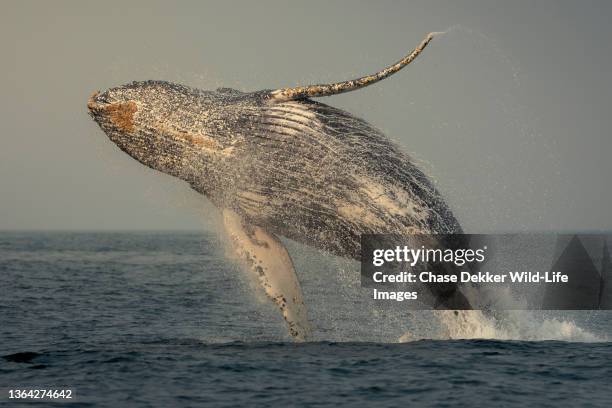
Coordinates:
507	323
511	325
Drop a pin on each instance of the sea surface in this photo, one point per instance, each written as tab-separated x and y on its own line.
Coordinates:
164	319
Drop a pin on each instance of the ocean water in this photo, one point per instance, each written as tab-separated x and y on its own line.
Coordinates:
164	319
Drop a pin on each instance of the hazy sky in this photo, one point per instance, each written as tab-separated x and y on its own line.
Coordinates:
509	111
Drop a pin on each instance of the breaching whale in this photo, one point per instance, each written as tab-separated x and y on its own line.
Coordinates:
278	164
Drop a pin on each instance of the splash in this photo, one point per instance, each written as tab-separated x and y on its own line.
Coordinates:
509	114
511	325
508	320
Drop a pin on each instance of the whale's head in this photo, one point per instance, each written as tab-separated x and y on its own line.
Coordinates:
172	128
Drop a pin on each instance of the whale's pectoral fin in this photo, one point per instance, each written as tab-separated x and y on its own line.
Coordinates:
315	91
266	257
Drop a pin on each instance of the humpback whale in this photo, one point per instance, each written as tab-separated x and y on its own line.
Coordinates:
277	163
